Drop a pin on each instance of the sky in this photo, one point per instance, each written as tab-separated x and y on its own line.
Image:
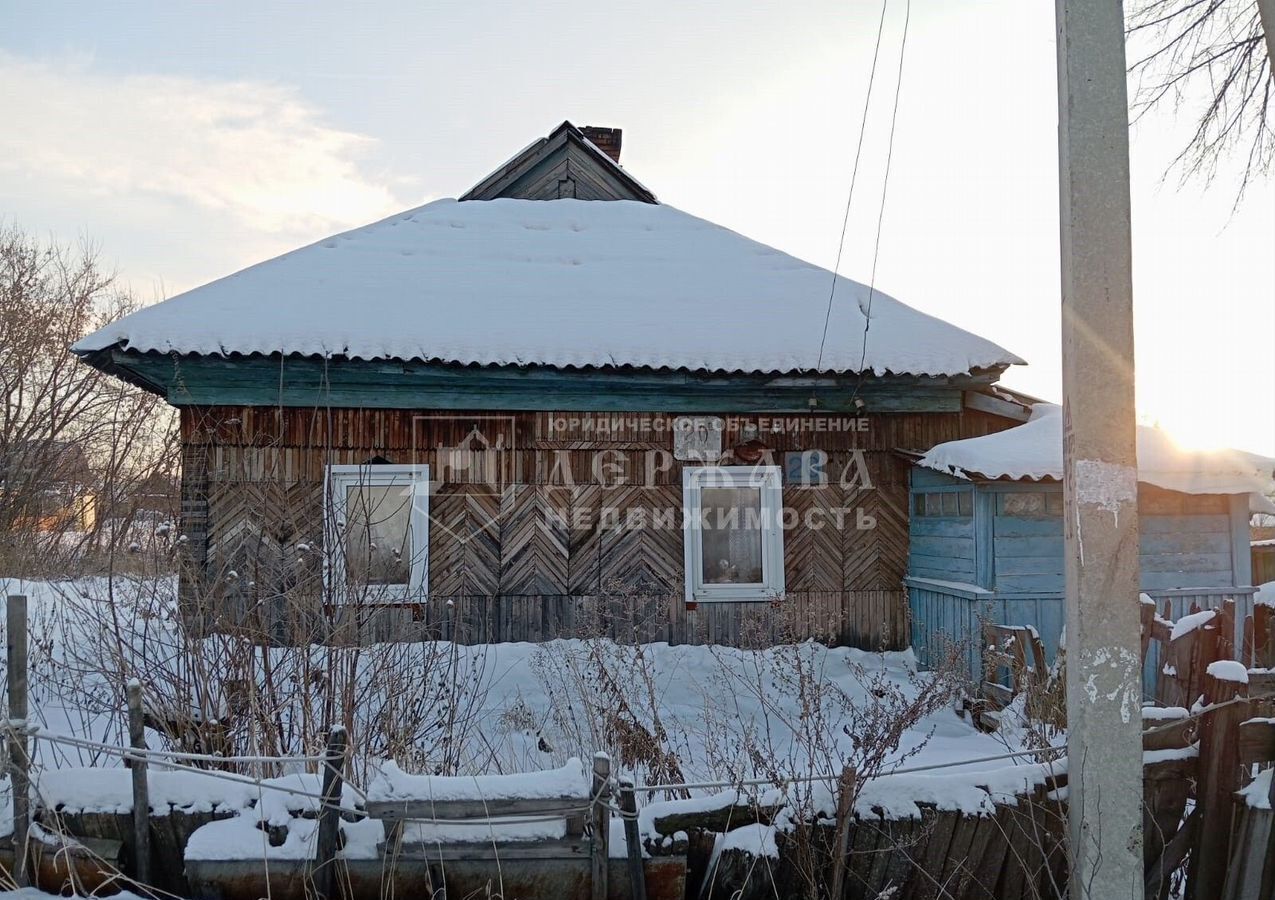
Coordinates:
186	141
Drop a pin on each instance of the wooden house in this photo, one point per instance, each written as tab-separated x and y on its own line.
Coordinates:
986	532
550	406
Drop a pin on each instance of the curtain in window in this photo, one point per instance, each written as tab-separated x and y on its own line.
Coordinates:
732	535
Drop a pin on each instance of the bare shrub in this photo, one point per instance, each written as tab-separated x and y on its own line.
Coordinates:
603	689
234	693
810	725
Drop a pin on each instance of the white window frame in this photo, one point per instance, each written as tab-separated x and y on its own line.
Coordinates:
770	480
337	479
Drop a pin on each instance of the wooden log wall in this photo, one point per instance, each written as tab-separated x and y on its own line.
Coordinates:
538	509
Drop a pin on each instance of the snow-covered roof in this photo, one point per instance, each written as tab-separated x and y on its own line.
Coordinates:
558	283
1033	451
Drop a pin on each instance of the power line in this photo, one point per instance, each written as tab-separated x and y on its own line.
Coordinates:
854	175
147	754
831	778
885	184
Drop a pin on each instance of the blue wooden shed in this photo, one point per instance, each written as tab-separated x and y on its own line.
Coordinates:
986	533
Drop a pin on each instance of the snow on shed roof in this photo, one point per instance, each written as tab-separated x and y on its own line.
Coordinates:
1033	451
556	283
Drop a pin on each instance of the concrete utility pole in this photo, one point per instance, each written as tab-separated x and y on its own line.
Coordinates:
1104	684
1266	14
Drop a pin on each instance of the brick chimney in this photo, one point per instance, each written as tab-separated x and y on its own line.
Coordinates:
605	139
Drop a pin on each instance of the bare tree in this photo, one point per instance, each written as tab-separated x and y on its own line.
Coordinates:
1214	56
74	443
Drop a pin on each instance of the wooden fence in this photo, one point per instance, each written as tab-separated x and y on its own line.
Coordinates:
1214	698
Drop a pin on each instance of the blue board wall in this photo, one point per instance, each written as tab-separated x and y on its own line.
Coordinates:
941	546
1178	550
1003	562
942	549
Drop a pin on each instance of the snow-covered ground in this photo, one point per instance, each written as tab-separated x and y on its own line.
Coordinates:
528	701
669	713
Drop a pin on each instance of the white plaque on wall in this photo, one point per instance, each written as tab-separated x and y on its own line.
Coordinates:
697	438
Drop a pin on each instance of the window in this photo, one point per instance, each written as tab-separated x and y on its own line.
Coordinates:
734	534
944	504
806	468
1030	504
378	532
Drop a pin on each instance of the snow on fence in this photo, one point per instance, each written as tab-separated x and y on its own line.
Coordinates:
1212	728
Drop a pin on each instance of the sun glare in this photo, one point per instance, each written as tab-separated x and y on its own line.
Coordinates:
1208	430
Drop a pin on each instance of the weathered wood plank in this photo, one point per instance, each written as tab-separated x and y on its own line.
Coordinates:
472	810
1257	741
1219	779
505	851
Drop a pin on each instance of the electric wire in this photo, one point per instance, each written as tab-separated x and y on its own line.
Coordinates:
885	184
854	177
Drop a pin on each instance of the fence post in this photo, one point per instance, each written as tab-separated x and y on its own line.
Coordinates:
601	850
1246	648
1148	629
19	761
632	838
845	810
1226	626
1263	636
141	792
330	814
1218	780
1204	654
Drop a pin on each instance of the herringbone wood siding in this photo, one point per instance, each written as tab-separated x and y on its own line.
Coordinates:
812	545
534	539
464	541
584	556
641	544
530	539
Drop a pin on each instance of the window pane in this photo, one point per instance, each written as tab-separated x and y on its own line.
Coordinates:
1054	503
949	504
918	504
1026	503
378	534
966	503
732	535
934	504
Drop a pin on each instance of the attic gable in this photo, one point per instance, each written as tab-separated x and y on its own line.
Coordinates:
564	165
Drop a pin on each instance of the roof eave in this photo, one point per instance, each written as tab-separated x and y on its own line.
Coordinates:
109	360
